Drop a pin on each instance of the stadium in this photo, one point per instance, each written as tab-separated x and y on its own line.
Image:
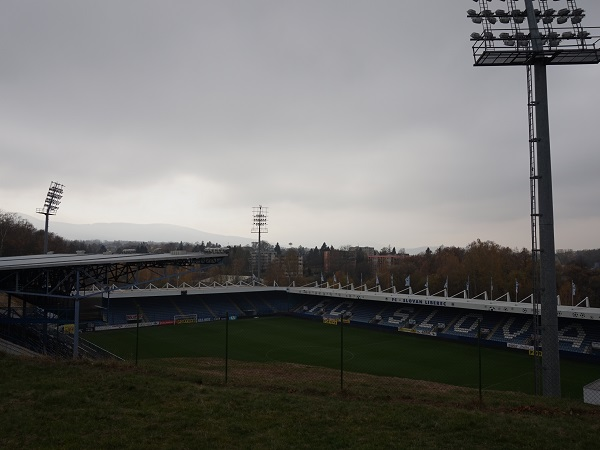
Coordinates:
363	352
53	324
283	370
501	323
94	306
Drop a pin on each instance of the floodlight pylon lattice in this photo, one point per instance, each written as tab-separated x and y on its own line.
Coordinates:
51	204
259	225
537	38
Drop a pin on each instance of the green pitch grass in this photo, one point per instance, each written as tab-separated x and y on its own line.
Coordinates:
277	339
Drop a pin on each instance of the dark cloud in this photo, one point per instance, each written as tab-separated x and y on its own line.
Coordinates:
356	122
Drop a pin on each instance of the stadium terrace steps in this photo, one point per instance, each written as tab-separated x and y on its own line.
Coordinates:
362	312
245	304
516	329
575	335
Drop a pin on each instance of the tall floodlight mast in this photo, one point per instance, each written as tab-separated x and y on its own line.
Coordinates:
259	225
537	37
50	207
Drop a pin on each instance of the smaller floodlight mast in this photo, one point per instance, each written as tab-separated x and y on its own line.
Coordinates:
55	193
259	224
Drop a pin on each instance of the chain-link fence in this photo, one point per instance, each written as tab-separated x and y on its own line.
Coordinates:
478	353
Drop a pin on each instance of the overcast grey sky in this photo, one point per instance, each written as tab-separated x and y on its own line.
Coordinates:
355	122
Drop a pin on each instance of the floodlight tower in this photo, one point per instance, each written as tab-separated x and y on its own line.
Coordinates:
55	193
523	41
259	223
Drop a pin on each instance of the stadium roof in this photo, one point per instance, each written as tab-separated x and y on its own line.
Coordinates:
71	260
62	274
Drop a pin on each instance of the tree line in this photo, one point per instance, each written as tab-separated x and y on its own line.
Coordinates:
19	237
480	266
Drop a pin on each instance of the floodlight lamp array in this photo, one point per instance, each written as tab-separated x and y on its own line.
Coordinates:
514	19
53	199
259	219
520	35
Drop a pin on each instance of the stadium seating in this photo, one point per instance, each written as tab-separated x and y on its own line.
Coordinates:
575	336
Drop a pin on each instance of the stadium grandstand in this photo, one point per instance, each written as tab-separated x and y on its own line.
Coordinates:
111	298
499	323
42	296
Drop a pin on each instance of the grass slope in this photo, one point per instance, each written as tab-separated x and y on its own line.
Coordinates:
49	404
312	343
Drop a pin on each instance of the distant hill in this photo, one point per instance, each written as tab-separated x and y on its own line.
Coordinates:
155	232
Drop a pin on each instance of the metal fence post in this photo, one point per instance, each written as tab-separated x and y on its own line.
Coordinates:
226	344
137	335
479	352
342	353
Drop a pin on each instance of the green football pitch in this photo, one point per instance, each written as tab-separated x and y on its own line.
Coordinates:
277	339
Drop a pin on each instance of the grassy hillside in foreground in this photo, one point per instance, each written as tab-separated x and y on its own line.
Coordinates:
57	404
